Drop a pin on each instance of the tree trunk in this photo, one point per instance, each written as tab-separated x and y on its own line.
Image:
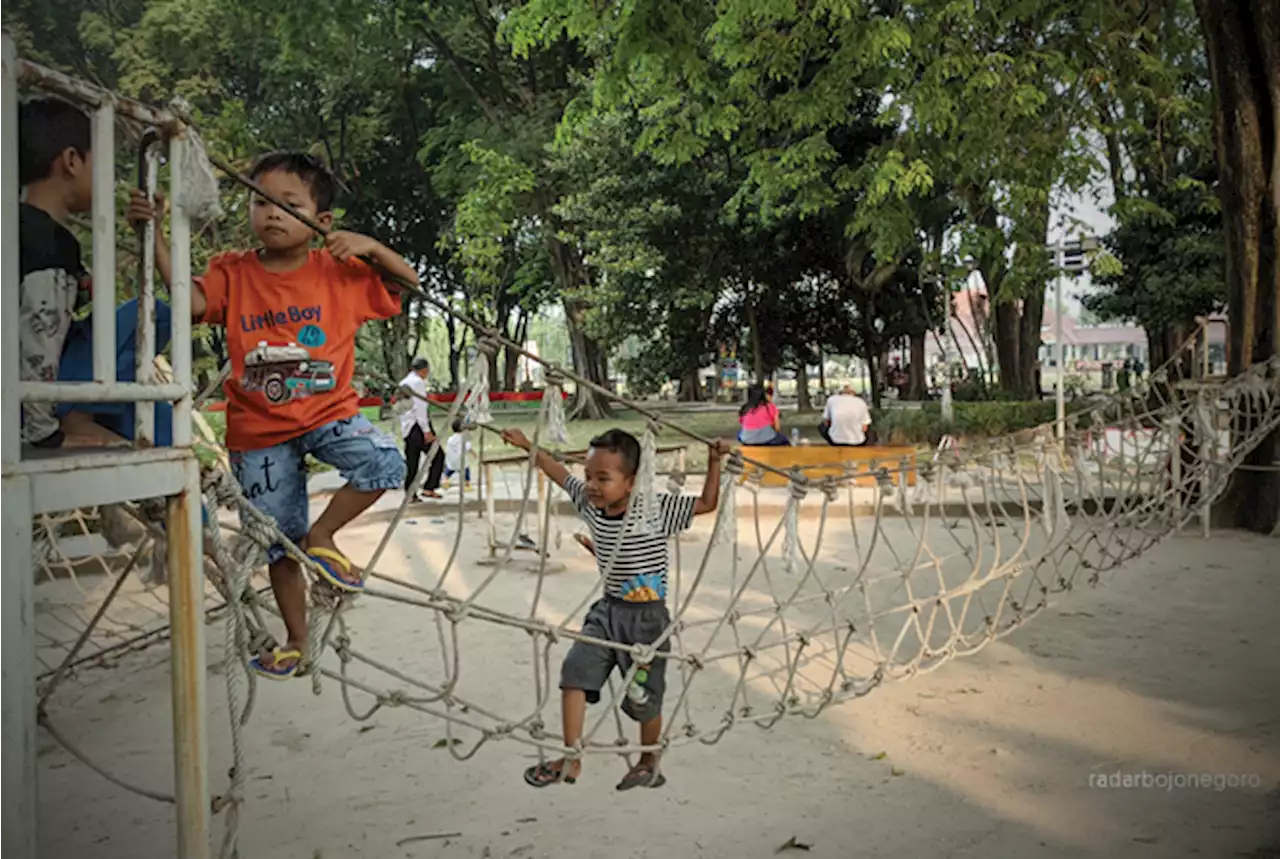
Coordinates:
589	362
919	385
803	403
757	354
589	359
1242	43
690	389
1029	341
1008	346
822	371
455	352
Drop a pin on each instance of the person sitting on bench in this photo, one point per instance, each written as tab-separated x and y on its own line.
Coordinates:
846	419
759	419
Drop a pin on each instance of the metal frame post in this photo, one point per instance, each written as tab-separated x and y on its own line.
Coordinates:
104	244
19	704
145	339
180	292
10	294
186	620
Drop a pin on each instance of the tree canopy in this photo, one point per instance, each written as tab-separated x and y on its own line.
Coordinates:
672	179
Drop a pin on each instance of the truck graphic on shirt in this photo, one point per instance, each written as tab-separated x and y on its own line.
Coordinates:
285	373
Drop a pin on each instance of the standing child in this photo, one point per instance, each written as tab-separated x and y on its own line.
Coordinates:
457	450
291	315
633	609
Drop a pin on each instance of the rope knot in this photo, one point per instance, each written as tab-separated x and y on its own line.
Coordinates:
644	654
553	376
748	652
798	487
695	662
733	463
830	489
489	343
394	698
538	729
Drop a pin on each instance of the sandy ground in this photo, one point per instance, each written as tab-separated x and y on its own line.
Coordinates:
1168	667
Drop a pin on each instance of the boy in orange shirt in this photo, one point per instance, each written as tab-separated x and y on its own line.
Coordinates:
291	315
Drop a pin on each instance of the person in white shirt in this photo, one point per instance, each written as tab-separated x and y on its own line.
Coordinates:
417	432
845	420
456	451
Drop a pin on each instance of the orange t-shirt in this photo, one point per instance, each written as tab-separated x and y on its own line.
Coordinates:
291	337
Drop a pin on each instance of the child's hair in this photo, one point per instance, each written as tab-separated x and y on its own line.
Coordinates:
622	443
457	424
308	168
47	127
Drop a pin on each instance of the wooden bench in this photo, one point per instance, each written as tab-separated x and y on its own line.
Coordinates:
822	460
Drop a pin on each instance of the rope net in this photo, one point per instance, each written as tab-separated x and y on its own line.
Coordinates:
786	601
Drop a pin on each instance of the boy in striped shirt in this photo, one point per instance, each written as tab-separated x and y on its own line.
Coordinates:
633	609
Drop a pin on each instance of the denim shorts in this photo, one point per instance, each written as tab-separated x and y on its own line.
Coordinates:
274	479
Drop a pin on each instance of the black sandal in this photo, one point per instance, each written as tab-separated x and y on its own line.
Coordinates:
543	775
642	775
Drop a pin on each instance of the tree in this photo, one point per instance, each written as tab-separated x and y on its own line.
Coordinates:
1242	43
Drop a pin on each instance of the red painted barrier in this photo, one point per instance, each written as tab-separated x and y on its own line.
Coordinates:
374	402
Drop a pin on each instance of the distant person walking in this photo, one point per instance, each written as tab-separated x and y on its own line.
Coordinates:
759	421
846	419
418	434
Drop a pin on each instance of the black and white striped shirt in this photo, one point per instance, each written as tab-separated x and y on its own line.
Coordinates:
639	572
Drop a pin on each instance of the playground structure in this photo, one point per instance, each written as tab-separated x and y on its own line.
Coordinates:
790	644
36	484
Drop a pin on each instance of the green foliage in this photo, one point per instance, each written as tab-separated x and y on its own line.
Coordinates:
971	420
784	178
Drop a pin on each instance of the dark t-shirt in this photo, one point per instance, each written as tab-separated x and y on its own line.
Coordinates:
53	283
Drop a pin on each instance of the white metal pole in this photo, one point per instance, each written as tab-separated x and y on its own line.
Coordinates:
1057	347
10	291
19	685
1204	344
180	291
104	244
187	660
145	338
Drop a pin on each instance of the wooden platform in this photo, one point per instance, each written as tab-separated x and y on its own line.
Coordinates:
822	460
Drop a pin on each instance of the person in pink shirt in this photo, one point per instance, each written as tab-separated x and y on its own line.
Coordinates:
759	420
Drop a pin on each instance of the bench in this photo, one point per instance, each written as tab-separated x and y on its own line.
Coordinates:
822	460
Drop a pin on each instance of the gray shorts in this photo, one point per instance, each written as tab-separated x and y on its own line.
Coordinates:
587	666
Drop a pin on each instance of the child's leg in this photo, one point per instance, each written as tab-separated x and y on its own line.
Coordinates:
290	590
643	624
274	481
371	464
573	714
650	735
584	672
77	366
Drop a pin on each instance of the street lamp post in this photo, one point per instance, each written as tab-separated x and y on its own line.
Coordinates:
1060	376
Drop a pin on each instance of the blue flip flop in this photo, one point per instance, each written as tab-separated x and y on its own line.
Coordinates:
334	566
274	671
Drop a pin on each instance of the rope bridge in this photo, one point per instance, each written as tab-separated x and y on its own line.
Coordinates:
768	619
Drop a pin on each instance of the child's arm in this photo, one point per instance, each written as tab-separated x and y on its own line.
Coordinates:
552	469
710	496
142	210
346	245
